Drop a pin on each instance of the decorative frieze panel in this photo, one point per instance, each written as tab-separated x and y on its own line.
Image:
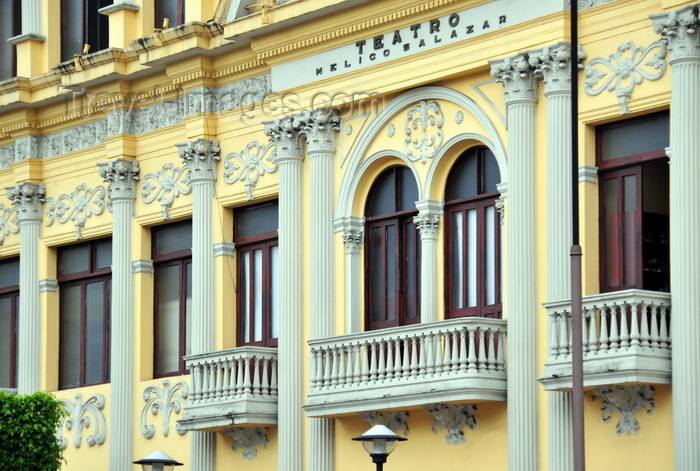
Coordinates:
166	400
7	156
8	222
584	4
453	417
77	207
246	95
394	421
249	439
158	115
26	147
84	415
423	128
76	138
626	400
165	185
250	167
625	69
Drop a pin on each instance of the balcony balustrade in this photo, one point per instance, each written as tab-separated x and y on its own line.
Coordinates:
231	387
448	361
625	340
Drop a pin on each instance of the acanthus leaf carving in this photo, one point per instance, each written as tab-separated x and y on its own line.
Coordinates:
166	185
248	438
453	417
79	417
626	400
393	420
77	206
167	400
252	166
423	129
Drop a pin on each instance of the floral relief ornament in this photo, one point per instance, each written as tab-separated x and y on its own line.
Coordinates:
79	416
166	185
252	166
167	400
627	70
8	222
423	131
77	206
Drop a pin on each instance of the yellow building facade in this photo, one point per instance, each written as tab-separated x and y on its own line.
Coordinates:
246	234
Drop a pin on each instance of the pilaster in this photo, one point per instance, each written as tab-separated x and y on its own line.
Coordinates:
287	137
680	28
121	176
319	127
520	82
428	224
353	235
28	199
201	157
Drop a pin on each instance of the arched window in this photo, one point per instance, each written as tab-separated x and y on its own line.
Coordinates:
392	251
473	236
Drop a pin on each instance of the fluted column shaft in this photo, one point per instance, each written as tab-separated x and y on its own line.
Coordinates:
427	222
201	157
121	175
28	199
353	238
521	99
31	17
680	28
290	345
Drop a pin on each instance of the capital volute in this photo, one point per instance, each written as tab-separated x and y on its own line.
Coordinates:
28	198
680	30
428	219
553	65
121	176
200	156
285	134
517	75
319	127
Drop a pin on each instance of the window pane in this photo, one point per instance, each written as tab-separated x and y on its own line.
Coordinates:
75	259
173	238
382	196
258	294
274	292
378	269
612	275
391	262
169	9
409	189
6	335
458	260
168	319
472	260
462	181
72	29
245	296
630	228
410	271
492	176
636	138
70	336
9	273
253	220
94	332
490	243
103	254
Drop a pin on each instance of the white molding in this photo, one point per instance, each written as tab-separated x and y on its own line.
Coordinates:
142	265
224	249
588	174
48	285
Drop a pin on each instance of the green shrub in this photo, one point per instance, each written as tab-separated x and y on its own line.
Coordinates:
28	427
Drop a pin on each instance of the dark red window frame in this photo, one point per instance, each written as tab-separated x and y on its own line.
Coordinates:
93	275
93	27
11	292
182	259
15	29
161	12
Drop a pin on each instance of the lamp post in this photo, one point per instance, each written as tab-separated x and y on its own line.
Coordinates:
157	461
379	441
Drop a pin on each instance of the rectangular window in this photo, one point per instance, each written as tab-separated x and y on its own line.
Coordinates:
10	26
9	310
82	23
257	288
174	10
634	204
84	277
172	266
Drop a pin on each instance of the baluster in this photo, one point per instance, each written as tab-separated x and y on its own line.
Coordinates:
389	344
664	334
447	354
225	378
624	327
438	350
430	354
501	354
604	339
355	364
471	359
643	312
256	375
381	370
397	357
373	362
406	369
415	353
614	333
564	328
273	377
634	333
365	362
246	376
491	353
218	374
592	330
482	350
334	371
553	336
655	314
422	347
341	365
312	368
584	330
265	371
196	395
463	349
212	382
239	378
454	360
328	366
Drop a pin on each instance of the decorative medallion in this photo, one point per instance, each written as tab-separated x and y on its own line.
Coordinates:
348	129
459	117
166	185
391	130
8	222
626	400
77	207
82	415
423	130
167	400
252	166
248	438
627	70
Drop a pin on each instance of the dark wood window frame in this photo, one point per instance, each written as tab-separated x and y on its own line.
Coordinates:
93	275
179	20
182	259
11	292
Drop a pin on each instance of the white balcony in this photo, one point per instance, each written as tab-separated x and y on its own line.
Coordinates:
231	387
448	361
625	340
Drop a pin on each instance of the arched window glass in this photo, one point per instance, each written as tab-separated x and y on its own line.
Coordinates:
392	251
472	232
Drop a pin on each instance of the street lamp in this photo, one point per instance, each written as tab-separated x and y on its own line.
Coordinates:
157	461
379	441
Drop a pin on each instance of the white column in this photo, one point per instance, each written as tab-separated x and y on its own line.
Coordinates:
353	238
121	175
31	17
680	28
554	66
518	77
320	127
28	199
427	222
201	157
289	155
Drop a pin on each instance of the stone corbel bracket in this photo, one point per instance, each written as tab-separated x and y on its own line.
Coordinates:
453	417
248	438
394	421
626	400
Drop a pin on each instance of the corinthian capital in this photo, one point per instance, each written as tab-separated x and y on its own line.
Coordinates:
121	175
200	156
680	29
285	134
27	198
319	128
517	75
428	219
553	64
